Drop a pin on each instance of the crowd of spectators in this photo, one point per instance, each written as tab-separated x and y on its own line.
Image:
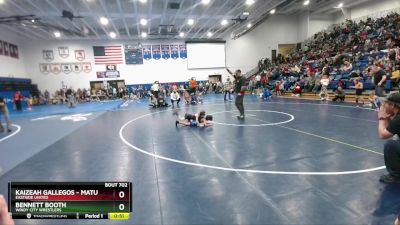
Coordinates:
348	51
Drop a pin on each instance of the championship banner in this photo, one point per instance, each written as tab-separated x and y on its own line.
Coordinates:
182	51
6	48
166	54
80	55
174	51
14	50
147	52
108	74
66	68
48	55
11	49
63	52
156	51
77	67
45	68
55	68
86	67
133	54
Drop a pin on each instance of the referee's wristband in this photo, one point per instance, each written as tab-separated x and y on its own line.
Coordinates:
382	118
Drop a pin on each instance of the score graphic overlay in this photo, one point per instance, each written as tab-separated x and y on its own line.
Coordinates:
70	200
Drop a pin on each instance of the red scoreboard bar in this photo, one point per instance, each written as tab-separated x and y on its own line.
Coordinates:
70	200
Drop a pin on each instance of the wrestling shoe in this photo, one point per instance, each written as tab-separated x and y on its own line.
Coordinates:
389	179
176	123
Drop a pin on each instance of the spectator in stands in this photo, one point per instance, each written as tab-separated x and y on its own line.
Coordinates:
339	95
4	111
297	90
18	100
389	125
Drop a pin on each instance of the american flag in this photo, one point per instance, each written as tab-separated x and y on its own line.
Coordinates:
107	54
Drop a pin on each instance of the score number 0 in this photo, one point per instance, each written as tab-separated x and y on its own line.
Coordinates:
121	195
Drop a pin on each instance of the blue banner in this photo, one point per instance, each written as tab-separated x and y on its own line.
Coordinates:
156	51
133	55
166	53
147	52
174	51
182	51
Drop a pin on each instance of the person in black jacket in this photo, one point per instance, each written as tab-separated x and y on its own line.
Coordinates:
239	90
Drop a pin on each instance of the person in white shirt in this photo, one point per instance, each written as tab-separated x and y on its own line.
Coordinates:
155	89
228	89
258	81
324	88
175	97
348	67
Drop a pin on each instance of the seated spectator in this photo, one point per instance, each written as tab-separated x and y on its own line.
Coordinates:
389	125
348	67
339	95
175	97
297	90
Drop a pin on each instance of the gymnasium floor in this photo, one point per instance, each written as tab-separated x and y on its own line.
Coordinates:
288	162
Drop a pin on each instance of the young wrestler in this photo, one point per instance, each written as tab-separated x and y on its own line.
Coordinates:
359	90
196	120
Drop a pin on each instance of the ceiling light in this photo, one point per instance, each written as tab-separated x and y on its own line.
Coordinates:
181	34
143	22
57	34
250	2
33	20
306	2
113	35
224	22
144	34
272	11
205	2
249	25
246	13
1	2
190	22
209	34
143	1
340	5
104	21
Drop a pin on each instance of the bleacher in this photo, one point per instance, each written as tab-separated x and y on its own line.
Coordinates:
9	85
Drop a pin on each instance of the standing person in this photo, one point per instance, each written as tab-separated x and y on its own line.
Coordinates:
389	125
379	80
278	88
359	90
192	85
239	90
18	100
227	89
4	111
324	89
155	89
